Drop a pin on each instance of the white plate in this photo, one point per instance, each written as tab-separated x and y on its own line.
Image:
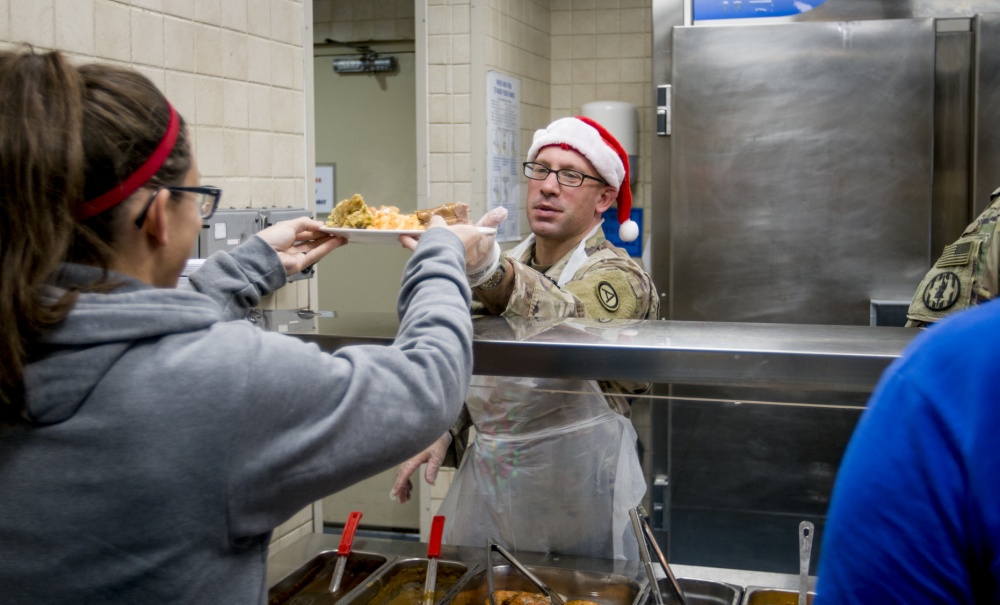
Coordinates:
382	236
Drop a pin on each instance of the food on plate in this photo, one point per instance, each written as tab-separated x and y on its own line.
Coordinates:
354	213
351	213
520	597
455	212
388	217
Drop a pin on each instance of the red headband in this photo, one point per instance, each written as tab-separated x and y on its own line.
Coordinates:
137	179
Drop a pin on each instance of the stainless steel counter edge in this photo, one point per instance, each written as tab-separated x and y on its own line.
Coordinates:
297	554
799	356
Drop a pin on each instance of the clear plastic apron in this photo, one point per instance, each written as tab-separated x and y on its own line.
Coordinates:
552	469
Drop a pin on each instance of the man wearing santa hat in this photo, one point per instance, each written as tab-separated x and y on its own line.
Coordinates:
553	466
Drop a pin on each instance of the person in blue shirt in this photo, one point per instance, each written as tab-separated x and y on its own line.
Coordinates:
915	514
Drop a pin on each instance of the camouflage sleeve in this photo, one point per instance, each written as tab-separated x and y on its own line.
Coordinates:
615	289
536	295
459	439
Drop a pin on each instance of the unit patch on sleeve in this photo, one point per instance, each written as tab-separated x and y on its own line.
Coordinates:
942	291
607	295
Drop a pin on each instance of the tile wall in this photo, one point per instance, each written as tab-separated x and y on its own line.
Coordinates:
234	68
362	20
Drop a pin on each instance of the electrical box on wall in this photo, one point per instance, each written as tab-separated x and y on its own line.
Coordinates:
284	321
226	229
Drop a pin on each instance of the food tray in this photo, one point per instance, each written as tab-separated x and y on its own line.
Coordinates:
402	583
603	588
699	592
311	582
758	595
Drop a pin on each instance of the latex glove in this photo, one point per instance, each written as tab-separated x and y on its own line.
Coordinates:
482	253
433	456
487	257
299	243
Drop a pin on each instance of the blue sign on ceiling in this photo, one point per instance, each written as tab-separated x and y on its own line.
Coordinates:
749	9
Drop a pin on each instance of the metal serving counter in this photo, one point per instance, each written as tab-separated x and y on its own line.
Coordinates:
841	358
742	433
305	549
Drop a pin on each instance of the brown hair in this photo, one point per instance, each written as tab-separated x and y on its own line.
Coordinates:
67	134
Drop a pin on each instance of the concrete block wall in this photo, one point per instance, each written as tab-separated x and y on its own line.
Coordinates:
236	70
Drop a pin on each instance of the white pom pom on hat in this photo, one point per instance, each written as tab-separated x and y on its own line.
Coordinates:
603	151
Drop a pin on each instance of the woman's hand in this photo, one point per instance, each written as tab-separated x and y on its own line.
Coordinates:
299	243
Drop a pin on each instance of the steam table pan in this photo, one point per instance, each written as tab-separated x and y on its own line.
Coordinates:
603	588
758	595
700	592
402	583
311	582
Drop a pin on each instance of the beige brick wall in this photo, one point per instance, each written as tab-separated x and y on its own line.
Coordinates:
362	20
236	70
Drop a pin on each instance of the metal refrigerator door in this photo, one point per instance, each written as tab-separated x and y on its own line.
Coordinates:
987	116
801	169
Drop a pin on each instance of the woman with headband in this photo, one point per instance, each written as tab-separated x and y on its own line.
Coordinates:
148	444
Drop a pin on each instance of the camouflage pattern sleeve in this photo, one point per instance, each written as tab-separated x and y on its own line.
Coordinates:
537	295
615	290
459	439
610	286
965	274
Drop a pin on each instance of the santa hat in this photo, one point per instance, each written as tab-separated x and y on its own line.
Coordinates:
591	140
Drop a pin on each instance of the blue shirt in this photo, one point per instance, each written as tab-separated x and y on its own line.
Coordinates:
915	514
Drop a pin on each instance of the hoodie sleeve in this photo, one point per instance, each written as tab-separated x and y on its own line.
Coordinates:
237	280
314	423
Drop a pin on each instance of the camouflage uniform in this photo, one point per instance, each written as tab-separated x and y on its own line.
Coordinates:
610	285
966	274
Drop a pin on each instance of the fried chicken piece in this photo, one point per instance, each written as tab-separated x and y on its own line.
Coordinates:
520	597
453	213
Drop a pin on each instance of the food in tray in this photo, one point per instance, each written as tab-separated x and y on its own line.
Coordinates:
354	213
520	597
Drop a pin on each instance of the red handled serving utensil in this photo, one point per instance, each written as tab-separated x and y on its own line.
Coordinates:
433	552
344	551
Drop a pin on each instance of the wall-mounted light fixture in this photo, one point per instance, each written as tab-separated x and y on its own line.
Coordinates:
364	64
368	61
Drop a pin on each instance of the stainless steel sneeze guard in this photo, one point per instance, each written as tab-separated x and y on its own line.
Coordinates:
801	356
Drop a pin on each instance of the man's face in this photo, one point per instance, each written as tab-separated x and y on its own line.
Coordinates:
560	213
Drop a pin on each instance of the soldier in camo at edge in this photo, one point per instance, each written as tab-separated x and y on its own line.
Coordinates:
554	465
966	274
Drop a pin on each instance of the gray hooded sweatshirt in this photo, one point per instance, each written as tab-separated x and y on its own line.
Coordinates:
168	440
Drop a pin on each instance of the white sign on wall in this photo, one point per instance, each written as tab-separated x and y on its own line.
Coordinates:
325	189
503	156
